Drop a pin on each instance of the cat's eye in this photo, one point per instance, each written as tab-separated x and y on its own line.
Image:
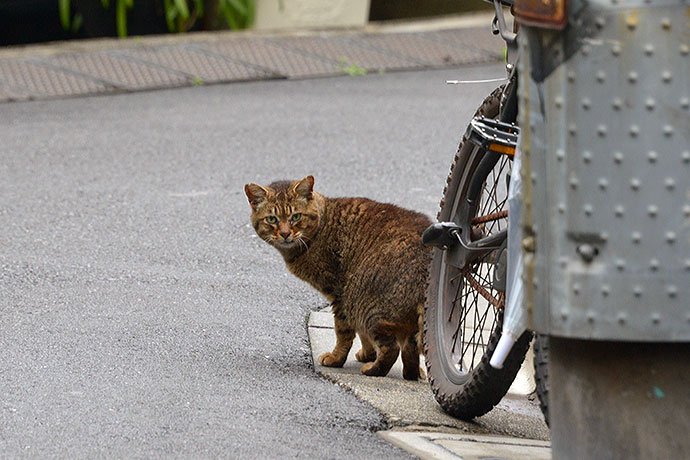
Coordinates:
272	219
295	217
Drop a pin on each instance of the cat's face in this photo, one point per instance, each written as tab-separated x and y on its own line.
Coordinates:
285	214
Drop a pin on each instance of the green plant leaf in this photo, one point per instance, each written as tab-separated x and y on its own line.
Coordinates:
229	15
239	7
181	6
76	23
251	13
121	18
199	7
63	6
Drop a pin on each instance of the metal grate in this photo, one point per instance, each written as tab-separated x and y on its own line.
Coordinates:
272	58
36	80
479	39
345	51
196	63
427	51
118	71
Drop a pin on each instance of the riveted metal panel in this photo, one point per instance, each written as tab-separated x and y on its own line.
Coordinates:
608	165
35	80
195	63
117	70
271	58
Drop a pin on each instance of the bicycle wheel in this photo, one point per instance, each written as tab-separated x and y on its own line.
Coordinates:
464	310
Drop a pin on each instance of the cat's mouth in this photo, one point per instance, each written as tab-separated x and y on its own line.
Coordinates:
285	244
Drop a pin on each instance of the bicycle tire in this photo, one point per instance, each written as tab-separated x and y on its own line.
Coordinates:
541	373
471	392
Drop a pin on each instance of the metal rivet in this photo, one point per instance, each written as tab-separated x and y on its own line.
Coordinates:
600	22
634	130
561	208
637	290
571	76
564	314
666	23
618	157
631	22
617	103
622	318
686	210
604	236
560	154
685	156
576	288
574	182
603	183
652	156
670	237
650	103
687	264
601	130
563	262
656	319
588	209
590	317
535	283
671	290
605	290
671	184
619	211
601	76
616	50
572	129
649	49
586	156
668	130
654	265
585	50
558	100
684	49
620	265
586	104
636	237
635	183
632	77
653	210
666	76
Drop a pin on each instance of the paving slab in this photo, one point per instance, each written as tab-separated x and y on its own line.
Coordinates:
87	67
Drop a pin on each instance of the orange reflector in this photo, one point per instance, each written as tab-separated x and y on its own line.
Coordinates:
502	149
550	14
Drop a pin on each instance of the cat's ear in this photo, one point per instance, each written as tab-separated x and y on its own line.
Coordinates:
255	194
304	187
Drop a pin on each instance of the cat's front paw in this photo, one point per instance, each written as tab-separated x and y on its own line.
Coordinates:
328	359
372	370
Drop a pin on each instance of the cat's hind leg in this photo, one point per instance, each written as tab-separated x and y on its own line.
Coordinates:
344	335
410	358
386	354
367	353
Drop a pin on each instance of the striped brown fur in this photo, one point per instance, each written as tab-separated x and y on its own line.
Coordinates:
365	257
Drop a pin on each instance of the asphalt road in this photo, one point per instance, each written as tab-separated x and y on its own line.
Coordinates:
139	315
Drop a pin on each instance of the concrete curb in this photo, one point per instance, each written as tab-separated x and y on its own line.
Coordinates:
410	406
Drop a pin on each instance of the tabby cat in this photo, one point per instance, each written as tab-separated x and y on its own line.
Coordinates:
366	257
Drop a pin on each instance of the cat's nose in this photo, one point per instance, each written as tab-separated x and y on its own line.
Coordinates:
285	234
